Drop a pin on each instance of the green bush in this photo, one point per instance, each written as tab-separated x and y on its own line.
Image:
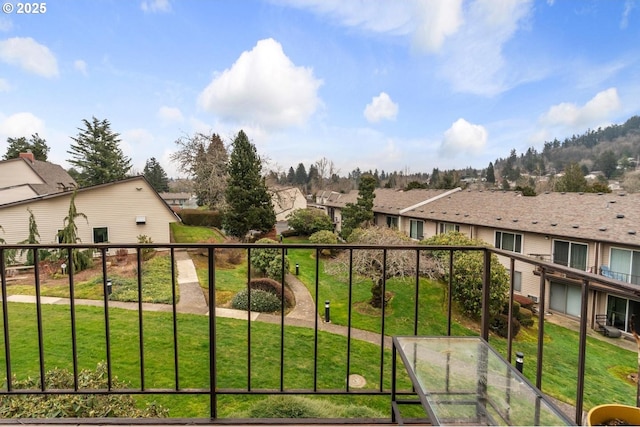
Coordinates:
500	325
74	406
274	287
468	272
261	301
309	221
525	317
201	217
147	253
324	237
268	261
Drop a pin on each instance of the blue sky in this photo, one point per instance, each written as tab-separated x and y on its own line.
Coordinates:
404	85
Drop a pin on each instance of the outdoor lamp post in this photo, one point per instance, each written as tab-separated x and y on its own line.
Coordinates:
109	286
297	269
519	361
327	311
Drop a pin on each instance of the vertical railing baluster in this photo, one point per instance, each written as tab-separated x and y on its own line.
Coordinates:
316	326
74	332
282	322
416	295
315	347
176	365
382	323
450	294
105	292
543	283
582	352
5	322
349	312
486	284
248	319
140	318
510	314
39	320
213	380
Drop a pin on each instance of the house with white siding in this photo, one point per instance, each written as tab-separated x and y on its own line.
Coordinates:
598	233
116	212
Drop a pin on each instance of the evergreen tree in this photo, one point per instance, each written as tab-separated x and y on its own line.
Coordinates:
32	239
361	213
573	180
248	201
155	174
69	234
97	155
301	175
36	145
291	176
491	175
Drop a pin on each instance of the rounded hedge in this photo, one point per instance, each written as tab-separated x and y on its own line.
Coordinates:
261	301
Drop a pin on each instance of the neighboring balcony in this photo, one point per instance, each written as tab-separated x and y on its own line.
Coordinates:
211	368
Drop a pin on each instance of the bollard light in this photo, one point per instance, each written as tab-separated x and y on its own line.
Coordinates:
327	311
108	286
520	361
297	269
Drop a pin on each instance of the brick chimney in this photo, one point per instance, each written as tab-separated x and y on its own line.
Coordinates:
28	155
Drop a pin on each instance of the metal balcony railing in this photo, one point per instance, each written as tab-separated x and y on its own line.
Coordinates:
327	370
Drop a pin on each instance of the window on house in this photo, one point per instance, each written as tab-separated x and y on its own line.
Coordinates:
392	222
570	254
517	281
445	227
416	229
509	241
59	236
626	264
100	235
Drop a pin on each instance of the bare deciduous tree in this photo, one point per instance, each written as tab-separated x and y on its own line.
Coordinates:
371	263
204	158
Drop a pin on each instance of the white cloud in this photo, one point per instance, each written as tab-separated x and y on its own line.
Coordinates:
20	124
138	137
30	55
4	85
5	24
474	61
381	107
463	137
595	111
264	88
170	115
428	24
80	66
468	36
154	6
628	7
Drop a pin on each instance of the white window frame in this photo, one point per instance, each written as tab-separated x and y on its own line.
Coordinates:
93	234
516	237
627	274
392	222
417	235
571	244
445	227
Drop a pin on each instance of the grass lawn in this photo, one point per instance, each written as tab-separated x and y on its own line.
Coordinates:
190	234
193	354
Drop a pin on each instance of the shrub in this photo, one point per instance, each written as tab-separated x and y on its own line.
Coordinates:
500	325
309	221
468	273
274	287
74	406
201	217
147	253
261	301
324	237
268	261
122	255
525	317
